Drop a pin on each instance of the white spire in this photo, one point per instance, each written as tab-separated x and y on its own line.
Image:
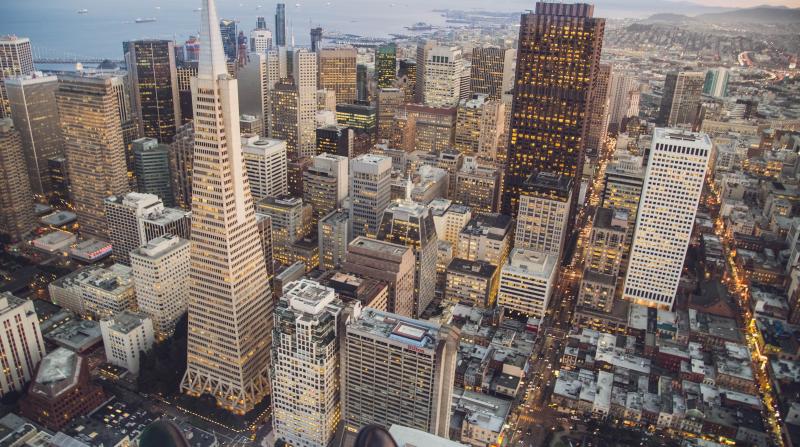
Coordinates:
212	56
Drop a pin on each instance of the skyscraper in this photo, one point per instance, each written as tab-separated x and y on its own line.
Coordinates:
386	65
265	160
557	61
370	187
603	257
16	200
486	72
305	365
257	80
21	343
325	184
362	83
35	114
227	29
388	262
260	40
384	352
479	126
230	305
419	74
332	236
598	111
316	39
182	153
390	100
16	59
673	182
623	98
123	214
154	82
680	100
442	76
716	82
304	68
544	205
186	71
285	115
280	25
89	114
335	140
337	72
152	170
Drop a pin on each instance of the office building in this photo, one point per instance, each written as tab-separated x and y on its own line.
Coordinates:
370	184
337	72
266	163
325	185
154	84
158	221
622	190
227	29
181	151
335	140
603	258
442	76
16	59
411	224
471	282
388	262
433	127
280	24
407	78
716	82
260	40
544	205
383	352
58	172
673	184
264	223
680	100
487	237
355	289
598	112
21	343
477	186
257	80
122	215
316	39
161	281
332	238
386	65
389	102
558	59
285	115
74	290
306	386
362	84
305	76
295	171
185	71
152	169
526	282
230	304
33	109
125	336
291	221
623	98
480	125
89	114
449	219
17	218
489	66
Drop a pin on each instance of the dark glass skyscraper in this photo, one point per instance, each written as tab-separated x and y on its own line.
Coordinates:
316	38
154	81
261	23
280	25
557	60
227	28
386	65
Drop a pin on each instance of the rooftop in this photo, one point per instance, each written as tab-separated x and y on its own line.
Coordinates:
530	262
482	269
126	321
418	333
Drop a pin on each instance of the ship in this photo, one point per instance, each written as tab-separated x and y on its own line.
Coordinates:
420	26
83	11
145	20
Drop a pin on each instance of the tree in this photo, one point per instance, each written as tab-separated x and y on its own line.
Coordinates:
161	369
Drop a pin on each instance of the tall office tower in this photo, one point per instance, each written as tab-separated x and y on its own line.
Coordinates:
291	222
21	343
285	116
478	186
421	57
325	185
433	127
33	108
370	186
479	126
257	80
335	140
363	119
680	101
230	304
544	204
388	262
316	39
716	82
622	97
557	61
442	75
280	25
333	240
265	160
487	70
264	223
673	183
16	199
305	365
295	169
386	65
622	190
16	59
88	109
598	111
154	82
362	83
463	84
123	214
305	77
603	258
527	281
260	41
185	72
390	100
227	29
129	122
182	155
337	72
161	281
152	170
59	178
407	78
411	224
261	22
383	352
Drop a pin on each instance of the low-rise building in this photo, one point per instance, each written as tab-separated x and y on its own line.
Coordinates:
125	336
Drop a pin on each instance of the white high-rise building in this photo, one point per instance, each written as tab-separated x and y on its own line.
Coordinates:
21	343
623	97
230	304
260	40
123	214
370	192
161	280
304	69
267	167
16	59
543	214
673	183
444	66
527	281
125	335
305	365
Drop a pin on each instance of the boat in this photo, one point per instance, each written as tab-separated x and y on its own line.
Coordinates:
420	26
145	20
83	11
197	9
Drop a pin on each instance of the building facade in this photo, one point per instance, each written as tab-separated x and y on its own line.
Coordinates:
17	218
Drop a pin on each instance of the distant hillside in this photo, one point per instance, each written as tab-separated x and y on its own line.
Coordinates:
759	14
672	19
